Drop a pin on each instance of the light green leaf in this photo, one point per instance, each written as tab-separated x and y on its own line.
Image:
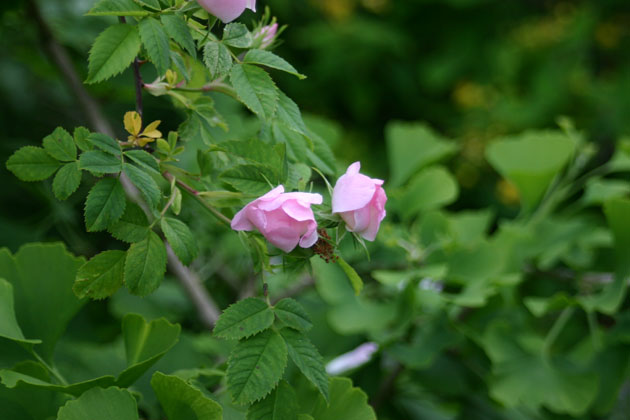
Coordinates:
296	143
101	276
307	359
178	30
237	35
155	40
292	314
346	402
32	163
244	318
182	401
104	205
272	158
144	160
411	146
99	163
355	280
105	143
598	191
217	59
132	227
256	89
42	276
145	265
321	156
81	135
9	327
269	59
531	161
117	8
67	180
251	179
101	404
181	239
114	49
281	404
151	4
255	366
60	145
145	183
289	114
431	188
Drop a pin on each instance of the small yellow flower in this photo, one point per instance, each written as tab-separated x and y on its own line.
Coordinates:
133	125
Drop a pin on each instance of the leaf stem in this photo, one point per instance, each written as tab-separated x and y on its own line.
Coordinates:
50	368
211	87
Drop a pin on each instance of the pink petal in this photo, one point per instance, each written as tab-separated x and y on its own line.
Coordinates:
251	4
352	192
354	168
310	237
298	211
283	237
226	10
240	220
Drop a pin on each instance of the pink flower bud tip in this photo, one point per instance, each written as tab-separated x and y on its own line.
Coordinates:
227	10
268	34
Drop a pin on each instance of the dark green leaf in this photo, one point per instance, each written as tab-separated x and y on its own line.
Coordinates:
104	205
67	180
269	59
99	162
9	327
176	27
144	160
32	163
244	318
132	227
346	402
114	49
105	143
181	239
101	276
256	89
81	135
292	314
237	35
306	358
60	145
101	404
117	8
147	185
155	40
145	265
281	404
182	401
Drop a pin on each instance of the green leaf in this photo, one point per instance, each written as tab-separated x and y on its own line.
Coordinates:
182	401
181	239
178	30
145	265
151	4
42	276
289	114
114	49
67	180
292	314
431	188
307	359
296	143
346	402
251	179
259	153
144	160
147	185
101	276
9	327
105	143
155	41
598	191
269	59
255	366
244	318
117	8
99	163
32	163
355	280
217	59
104	205
60	145
237	35
411	146
145	343
132	227
281	404
255	89
530	161
101	404
81	135
321	156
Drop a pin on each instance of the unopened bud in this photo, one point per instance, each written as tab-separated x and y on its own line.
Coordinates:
266	35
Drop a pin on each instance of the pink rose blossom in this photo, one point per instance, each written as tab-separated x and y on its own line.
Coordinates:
266	34
360	201
285	219
227	10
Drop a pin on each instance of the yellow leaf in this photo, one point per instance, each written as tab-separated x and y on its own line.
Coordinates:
142	141
152	126
133	123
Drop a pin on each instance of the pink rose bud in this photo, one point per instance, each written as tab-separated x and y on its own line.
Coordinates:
227	10
266	35
353	359
285	219
360	201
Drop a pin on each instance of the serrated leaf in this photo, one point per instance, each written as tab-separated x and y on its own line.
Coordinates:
237	35
101	276
281	404
289	114
346	402
255	366
32	163
151	4
144	160
99	162
292	314
217	59
174	393
81	135
67	180
101	404
9	327
255	89
105	143
178	30
296	144
244	318
114	49
307	359
117	8
180	65
321	156
147	185
181	239
132	227
155	40
259	153
145	265
104	205
251	179
269	59
60	145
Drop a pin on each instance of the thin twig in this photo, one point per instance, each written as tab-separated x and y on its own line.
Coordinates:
139	84
387	387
